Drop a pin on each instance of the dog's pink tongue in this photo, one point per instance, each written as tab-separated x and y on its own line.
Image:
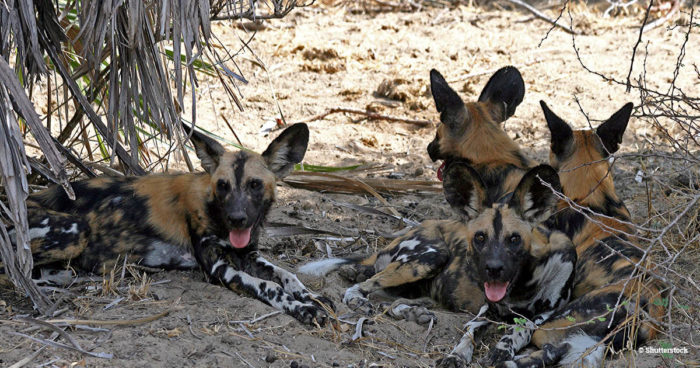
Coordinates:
440	169
495	291
239	238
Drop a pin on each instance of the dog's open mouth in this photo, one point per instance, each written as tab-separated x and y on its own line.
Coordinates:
440	170
496	290
239	238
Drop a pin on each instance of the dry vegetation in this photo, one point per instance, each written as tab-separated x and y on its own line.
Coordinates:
358	72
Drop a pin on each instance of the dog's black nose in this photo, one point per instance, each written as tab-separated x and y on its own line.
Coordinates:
237	219
494	268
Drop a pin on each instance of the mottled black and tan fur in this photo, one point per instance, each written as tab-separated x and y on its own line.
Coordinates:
458	262
179	221
607	254
472	132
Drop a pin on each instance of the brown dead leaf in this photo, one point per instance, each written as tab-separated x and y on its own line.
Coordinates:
369	142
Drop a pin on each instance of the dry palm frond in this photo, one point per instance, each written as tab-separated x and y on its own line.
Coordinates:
18	24
254	9
325	182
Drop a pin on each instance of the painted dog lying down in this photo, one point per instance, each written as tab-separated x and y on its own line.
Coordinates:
499	259
211	219
612	304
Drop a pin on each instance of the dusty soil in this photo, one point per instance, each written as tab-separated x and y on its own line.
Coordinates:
319	58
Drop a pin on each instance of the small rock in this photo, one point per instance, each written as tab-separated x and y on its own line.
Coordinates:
294	364
270	358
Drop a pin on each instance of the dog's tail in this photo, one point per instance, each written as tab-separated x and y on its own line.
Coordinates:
324	266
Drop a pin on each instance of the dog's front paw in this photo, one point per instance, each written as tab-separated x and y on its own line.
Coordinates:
325	301
451	361
496	356
356	300
413	313
309	297
360	304
310	313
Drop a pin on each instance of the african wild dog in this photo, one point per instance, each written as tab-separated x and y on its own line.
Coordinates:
606	271
497	259
163	220
472	132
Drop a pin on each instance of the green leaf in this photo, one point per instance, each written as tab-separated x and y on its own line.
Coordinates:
661	302
502	327
571	319
601	319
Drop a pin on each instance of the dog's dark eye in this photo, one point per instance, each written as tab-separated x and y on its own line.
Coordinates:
222	186
255	184
514	239
479	238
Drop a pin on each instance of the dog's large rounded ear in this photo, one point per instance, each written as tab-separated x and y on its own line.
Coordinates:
561	133
464	189
611	131
505	89
208	150
532	199
287	149
447	101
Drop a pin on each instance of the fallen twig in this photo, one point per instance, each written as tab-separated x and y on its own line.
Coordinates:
358	328
541	15
325	182
63	346
138	321
28	359
189	326
370	115
65	335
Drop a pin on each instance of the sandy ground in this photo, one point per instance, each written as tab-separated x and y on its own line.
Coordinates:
319	58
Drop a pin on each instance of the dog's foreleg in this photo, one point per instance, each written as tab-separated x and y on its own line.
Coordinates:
289	281
267	291
461	355
241	274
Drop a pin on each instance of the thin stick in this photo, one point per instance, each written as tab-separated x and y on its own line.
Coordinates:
232	131
29	358
189	326
65	335
634	50
541	15
138	321
258	319
358	328
63	346
370	115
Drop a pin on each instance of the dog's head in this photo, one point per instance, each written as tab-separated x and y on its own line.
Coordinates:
243	183
581	156
500	235
472	131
